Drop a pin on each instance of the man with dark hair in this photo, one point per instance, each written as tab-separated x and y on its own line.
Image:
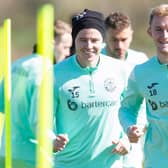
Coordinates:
118	38
87	93
119	34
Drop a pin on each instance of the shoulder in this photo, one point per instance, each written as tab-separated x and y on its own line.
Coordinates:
25	62
65	64
149	62
145	68
30	67
30	63
137	55
112	61
115	65
137	52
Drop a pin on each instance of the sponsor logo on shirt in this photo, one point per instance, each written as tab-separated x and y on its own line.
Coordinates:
96	104
152	89
156	105
153	92
153	104
75	93
72	105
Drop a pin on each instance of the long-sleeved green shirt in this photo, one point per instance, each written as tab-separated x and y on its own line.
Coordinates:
149	81
87	102
26	77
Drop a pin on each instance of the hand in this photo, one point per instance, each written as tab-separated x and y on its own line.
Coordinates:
60	142
135	132
119	148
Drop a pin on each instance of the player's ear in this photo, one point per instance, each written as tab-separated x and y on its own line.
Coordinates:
149	31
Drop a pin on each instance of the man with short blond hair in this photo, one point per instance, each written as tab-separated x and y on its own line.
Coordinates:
149	81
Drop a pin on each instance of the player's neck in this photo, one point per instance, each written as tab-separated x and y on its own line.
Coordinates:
163	58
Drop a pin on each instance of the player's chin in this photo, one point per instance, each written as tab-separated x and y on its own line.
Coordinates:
164	51
92	55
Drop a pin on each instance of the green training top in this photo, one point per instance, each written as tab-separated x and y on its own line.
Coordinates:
26	77
87	102
149	81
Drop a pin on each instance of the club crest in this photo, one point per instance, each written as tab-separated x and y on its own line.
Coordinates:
109	84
